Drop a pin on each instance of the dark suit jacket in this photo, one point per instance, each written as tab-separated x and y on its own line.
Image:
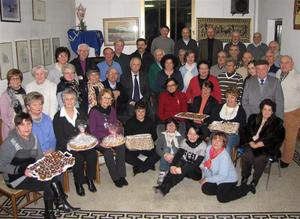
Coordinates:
147	60
180	44
203	50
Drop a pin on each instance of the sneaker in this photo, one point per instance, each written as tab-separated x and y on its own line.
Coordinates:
161	177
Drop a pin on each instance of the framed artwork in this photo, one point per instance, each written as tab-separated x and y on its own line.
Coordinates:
10	10
22	56
223	28
6	59
36	52
55	45
297	14
47	52
39	10
125	28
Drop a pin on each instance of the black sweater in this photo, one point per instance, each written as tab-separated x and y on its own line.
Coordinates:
134	127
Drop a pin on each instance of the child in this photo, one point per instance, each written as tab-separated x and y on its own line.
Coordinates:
186	161
166	147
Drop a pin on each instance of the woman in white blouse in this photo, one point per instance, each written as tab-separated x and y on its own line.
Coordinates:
189	70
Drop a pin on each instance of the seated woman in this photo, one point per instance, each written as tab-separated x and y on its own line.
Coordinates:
94	87
42	125
64	124
141	124
167	145
264	134
20	149
186	161
219	175
11	100
100	117
230	111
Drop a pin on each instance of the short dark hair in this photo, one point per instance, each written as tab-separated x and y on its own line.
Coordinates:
14	72
171	120
19	118
140	40
261	62
196	128
140	105
267	102
170	79
60	50
208	84
164	26
202	62
107	48
167	57
188	52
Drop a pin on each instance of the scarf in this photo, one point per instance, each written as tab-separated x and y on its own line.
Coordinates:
194	144
92	95
106	111
212	155
16	97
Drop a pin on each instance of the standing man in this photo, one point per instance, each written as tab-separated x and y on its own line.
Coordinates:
274	47
163	41
290	82
119	56
219	68
235	40
270	57
185	42
257	48
209	48
243	69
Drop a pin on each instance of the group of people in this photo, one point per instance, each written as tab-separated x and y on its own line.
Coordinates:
254	87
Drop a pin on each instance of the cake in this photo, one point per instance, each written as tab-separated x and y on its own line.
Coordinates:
113	141
82	142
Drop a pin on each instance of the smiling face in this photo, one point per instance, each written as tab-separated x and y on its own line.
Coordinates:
203	70
169	65
185	33
190	59
94	77
112	76
257	38
235	37
106	100
192	135
262	71
108	54
251	69
221	58
286	64
135	65
24	129
15	82
69	101
206	91
231	100
83	52
141	46
35	108
158	54
171	86
40	76
140	114
119	46
164	32
63	58
217	142
267	111
171	127
69	75
230	67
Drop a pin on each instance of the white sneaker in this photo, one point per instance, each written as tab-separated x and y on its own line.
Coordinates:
161	177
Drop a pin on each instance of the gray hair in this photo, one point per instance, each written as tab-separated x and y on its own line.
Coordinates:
135	58
159	50
110	69
32	96
83	45
70	67
119	40
37	68
69	91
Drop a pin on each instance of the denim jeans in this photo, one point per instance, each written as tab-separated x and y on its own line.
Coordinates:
164	165
233	140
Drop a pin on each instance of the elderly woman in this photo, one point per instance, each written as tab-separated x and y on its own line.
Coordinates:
47	88
11	100
94	87
189	69
169	63
65	128
20	149
264	134
42	125
62	56
100	117
230	111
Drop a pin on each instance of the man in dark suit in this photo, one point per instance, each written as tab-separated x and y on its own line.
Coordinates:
208	48
185	42
135	84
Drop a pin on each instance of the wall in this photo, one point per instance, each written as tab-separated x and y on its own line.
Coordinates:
60	17
273	9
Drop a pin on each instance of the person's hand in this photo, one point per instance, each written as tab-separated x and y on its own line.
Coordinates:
178	170
28	173
173	169
252	144
202	181
198	121
168	157
116	94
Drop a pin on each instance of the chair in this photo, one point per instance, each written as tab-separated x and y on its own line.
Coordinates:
271	160
13	203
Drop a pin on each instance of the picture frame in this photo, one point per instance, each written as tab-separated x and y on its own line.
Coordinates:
10	10
224	27
55	45
297	15
47	52
126	28
6	59
22	55
36	52
39	10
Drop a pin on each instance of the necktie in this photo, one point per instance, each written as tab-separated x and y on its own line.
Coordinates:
261	81
136	91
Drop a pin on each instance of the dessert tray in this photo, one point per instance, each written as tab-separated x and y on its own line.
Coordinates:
111	141
51	165
192	116
139	142
227	127
82	142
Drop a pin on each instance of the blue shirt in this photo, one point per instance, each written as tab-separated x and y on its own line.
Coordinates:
44	132
103	66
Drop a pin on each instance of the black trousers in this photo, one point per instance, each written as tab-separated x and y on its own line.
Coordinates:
258	163
225	192
88	156
132	158
188	170
115	161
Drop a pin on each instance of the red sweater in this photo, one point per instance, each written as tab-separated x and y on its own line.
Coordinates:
194	88
168	105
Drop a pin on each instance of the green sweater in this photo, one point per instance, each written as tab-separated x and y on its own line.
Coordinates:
152	77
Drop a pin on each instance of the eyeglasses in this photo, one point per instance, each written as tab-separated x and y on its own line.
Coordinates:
106	98
171	85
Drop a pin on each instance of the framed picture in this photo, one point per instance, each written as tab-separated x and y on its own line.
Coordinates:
55	45
125	28
10	10
36	52
23	56
223	28
6	59
297	14
39	10
47	52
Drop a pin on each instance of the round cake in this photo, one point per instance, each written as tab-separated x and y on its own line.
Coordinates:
82	142
112	141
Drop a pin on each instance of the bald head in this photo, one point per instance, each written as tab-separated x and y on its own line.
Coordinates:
257	38
235	37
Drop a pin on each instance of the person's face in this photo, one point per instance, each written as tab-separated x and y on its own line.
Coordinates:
40	76
140	114
169	65
83	53
247	57
112	76
274	47
286	64
251	69
192	135
234	51
63	58
171	86
230	67
185	33
158	55
164	32
206	91
15	82
221	58
94	78
256	38
135	65
262	71
24	129
181	56
210	33
108	55
267	111
141	46
171	127
69	101
119	46
190	59
203	71
106	100
231	100
35	108
270	58
69	75
235	37
217	143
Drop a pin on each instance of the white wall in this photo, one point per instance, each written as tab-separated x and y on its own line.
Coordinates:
60	17
273	9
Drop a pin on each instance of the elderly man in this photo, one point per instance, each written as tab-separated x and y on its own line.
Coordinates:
260	87
219	68
108	62
234	52
243	70
235	40
270	57
274	47
185	42
290	82
208	48
163	41
119	56
257	48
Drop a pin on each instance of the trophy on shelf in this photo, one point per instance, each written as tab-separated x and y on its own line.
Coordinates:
80	12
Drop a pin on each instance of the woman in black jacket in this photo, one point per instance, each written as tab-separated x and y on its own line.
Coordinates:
265	134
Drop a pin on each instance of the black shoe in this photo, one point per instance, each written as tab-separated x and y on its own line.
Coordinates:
283	164
49	212
252	187
158	189
91	185
79	189
244	181
118	183
124	181
136	170
153	167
